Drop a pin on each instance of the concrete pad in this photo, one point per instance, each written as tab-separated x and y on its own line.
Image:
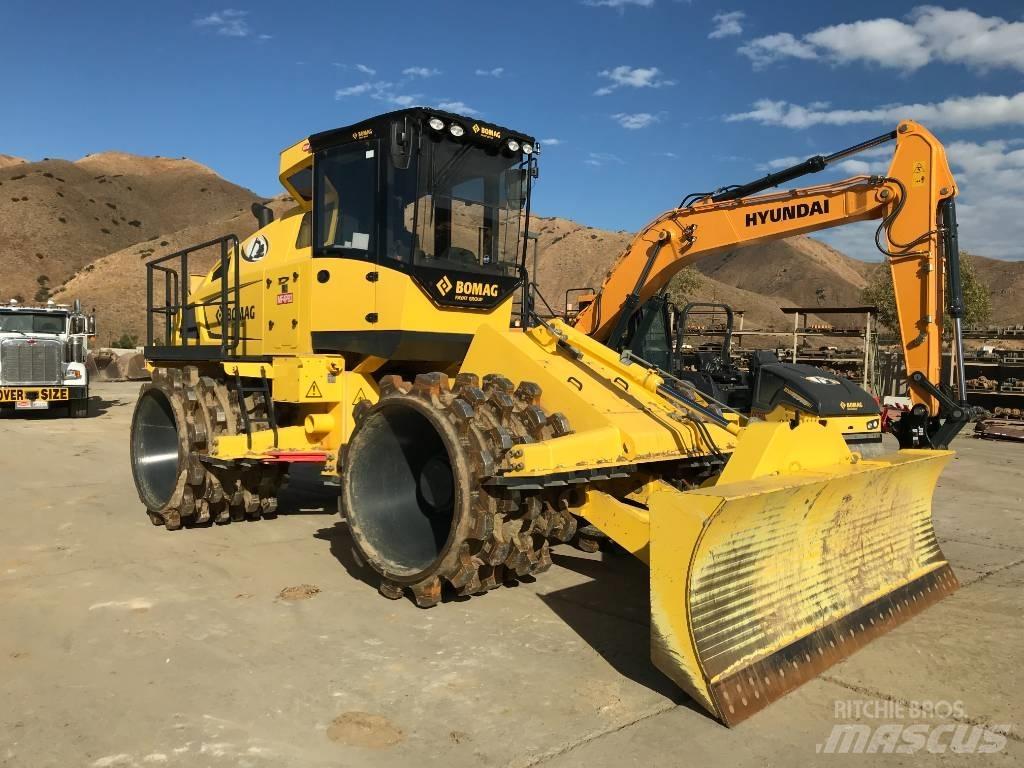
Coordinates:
965	648
795	732
122	644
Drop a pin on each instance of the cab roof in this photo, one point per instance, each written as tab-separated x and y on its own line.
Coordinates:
472	126
297	159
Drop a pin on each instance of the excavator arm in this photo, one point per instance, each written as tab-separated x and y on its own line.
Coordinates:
914	202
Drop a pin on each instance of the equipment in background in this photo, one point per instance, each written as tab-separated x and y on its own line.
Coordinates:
767	386
917	233
369	330
43	350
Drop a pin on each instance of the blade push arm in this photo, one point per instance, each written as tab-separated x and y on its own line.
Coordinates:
909	200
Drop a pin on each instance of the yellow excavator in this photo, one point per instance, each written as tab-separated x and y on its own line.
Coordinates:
370	331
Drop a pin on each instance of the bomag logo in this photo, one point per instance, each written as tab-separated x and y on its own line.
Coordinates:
474	288
363	134
487	133
851	406
238	313
787	212
469	291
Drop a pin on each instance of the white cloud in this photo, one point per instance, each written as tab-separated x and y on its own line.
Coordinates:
886	42
420	71
496	72
230	22
780	162
458	107
990	178
380	91
399	99
981	111
366	70
669	155
603	158
636	120
929	34
618	3
354	90
727	24
765	50
630	77
862	167
858	167
265	37
551	142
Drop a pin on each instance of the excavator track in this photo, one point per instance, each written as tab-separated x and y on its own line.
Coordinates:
204	408
507	533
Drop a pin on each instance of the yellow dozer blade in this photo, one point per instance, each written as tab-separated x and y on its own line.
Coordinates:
785	566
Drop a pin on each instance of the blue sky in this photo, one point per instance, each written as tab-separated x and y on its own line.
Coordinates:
636	102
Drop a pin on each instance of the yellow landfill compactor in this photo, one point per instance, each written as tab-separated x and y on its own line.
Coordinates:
383	329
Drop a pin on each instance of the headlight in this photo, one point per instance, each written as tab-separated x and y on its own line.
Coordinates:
527	149
436	123
456	130
73	374
513	145
873	424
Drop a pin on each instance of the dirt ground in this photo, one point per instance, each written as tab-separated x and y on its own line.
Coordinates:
263	644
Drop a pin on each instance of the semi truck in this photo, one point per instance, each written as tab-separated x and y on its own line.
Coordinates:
42	357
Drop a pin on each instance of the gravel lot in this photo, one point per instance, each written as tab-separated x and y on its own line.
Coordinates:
263	644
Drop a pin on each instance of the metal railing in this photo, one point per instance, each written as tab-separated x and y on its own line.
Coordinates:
177	315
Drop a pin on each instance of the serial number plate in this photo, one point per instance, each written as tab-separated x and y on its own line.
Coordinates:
24	394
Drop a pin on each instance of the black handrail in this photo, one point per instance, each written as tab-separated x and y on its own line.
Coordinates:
176	289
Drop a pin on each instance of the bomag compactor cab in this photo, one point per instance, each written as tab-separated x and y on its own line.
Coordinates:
370	330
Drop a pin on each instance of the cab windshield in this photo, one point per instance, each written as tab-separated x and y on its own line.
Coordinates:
456	205
31	322
468	207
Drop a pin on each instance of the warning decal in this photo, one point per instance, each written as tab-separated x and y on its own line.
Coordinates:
314	391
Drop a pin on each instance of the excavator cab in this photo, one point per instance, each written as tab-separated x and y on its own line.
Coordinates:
710	368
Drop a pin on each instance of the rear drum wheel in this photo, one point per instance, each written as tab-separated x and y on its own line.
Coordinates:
177	417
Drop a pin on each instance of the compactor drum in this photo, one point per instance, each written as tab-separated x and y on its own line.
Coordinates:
370	331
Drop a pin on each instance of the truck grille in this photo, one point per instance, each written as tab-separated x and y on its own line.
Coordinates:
30	361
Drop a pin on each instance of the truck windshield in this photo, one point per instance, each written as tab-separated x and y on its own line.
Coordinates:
468	209
31	322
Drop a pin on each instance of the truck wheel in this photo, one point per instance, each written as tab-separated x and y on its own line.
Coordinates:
79	409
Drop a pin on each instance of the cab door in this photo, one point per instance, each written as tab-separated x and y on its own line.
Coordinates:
347	233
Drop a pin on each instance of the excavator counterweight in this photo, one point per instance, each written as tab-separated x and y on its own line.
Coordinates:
370	329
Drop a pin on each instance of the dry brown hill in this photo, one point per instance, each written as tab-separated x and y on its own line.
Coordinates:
1005	281
7	161
118	210
57	216
758	280
805	270
115	284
